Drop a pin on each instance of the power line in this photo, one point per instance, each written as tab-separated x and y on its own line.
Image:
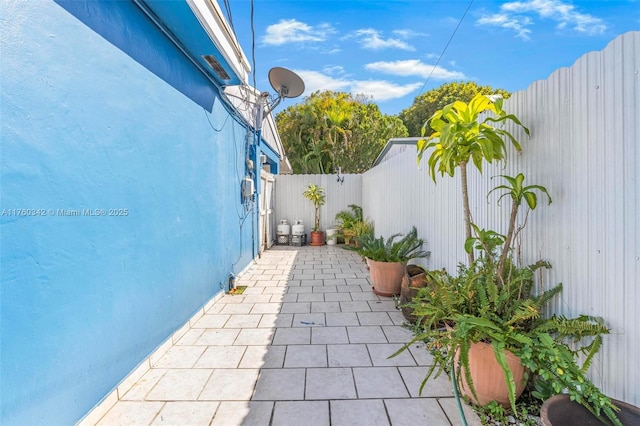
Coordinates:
445	47
227	6
253	47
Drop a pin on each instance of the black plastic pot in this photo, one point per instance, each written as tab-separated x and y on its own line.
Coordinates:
559	410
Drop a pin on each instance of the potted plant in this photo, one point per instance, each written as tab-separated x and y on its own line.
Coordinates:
561	410
463	133
493	332
316	195
415	278
360	230
490	330
490	306
353	225
346	220
495	343
387	259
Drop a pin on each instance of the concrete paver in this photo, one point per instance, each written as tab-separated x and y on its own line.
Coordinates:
308	343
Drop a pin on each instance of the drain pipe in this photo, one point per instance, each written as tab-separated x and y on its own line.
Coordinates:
260	109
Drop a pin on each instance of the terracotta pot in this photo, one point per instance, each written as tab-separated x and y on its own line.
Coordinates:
559	410
349	237
487	375
413	279
317	238
386	277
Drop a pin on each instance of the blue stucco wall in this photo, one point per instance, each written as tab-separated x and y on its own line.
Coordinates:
92	123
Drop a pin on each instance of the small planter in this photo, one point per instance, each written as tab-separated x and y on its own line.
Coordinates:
414	278
317	238
559	410
349	237
386	277
487	375
332	237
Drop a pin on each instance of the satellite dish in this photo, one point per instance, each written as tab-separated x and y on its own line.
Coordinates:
285	82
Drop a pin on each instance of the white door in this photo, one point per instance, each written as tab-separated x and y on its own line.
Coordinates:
266	220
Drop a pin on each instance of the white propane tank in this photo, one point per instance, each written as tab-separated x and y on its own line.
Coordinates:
283	227
298	228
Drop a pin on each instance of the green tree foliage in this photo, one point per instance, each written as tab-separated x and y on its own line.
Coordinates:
426	104
335	129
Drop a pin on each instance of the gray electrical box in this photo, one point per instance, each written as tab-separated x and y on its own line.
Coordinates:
247	187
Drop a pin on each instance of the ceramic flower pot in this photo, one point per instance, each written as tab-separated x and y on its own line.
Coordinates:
386	277
413	279
349	236
488	378
317	238
559	410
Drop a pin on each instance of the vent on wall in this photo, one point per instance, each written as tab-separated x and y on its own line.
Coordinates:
216	67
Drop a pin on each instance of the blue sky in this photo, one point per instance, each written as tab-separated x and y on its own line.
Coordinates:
389	50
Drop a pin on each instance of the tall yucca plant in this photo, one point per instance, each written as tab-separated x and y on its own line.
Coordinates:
459	137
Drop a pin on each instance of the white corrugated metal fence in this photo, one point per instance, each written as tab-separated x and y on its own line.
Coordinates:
585	149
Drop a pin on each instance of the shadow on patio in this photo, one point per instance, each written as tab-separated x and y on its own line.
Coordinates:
307	343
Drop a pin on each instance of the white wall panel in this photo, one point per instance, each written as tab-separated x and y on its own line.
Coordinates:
292	205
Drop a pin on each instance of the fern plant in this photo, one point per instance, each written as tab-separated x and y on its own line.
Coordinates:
361	230
351	223
552	361
347	218
479	305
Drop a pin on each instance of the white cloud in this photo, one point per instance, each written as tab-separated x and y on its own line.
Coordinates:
379	90
518	24
407	34
564	14
333	51
314	80
372	39
414	67
293	31
333	69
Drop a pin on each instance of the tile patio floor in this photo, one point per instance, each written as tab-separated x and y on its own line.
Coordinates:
306	344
